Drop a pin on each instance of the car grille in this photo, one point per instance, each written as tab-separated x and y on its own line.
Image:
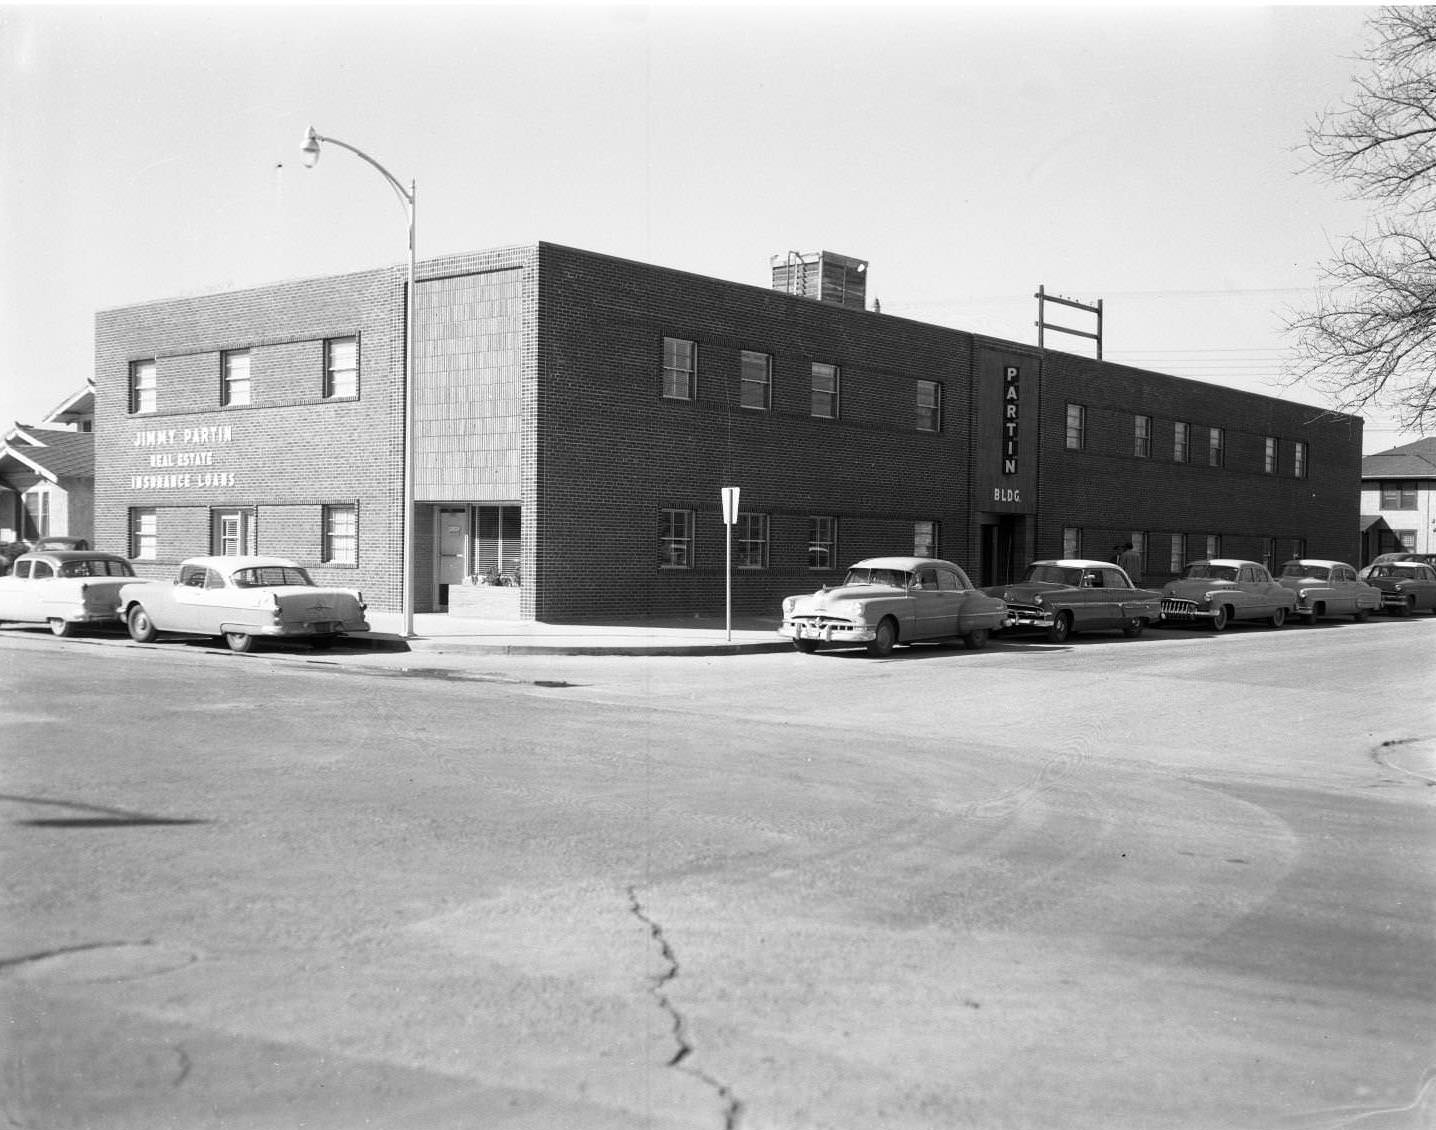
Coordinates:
1025	609
1179	608
822	621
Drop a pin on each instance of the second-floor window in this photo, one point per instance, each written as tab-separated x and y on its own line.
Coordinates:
826	379
1216	448
1398	496
756	379
929	406
1142	437
1298	459
680	368
1076	427
143	386
1269	456
234	381
341	368
1181	435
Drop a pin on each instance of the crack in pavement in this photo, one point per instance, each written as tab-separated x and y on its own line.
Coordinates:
681	1058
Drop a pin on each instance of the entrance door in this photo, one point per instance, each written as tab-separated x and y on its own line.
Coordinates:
1001	536
453	548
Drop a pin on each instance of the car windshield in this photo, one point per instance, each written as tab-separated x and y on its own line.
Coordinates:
96	569
1205	570
270	576
897	578
1297	569
1056	574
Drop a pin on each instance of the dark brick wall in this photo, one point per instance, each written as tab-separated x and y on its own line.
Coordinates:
613	452
1107	491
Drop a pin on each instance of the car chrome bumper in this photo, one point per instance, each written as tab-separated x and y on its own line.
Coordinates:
317	628
1018	618
1185	610
826	631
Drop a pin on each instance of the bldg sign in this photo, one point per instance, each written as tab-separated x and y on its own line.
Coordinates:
1011	417
1004	467
182	458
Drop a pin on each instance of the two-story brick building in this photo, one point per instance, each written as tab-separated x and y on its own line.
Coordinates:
576	415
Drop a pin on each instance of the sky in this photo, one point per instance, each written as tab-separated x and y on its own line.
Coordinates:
1147	156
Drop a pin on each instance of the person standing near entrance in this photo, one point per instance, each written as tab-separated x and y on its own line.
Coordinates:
1131	563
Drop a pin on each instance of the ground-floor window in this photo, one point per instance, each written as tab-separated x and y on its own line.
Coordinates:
1179	553
675	539
497	532
37	514
1071	541
1407	538
341	535
144	533
925	539
822	542
234	533
1214	545
752	541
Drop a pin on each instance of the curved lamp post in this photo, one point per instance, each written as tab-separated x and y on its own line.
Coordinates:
310	152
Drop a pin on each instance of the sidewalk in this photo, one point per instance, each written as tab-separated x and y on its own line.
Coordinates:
439	632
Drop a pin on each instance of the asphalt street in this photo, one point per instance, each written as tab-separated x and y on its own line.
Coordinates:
1180	881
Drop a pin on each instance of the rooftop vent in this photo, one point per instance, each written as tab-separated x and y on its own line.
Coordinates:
823	276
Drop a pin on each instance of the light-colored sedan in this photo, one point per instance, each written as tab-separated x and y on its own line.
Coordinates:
66	589
240	599
890	600
1062	597
1224	589
1328	588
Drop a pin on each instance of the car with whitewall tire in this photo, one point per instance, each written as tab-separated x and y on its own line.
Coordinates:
241	599
886	601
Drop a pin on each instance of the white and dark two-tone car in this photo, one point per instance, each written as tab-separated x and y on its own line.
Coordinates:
242	599
885	601
64	588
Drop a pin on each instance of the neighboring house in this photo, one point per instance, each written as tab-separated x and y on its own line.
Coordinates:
1399	486
47	474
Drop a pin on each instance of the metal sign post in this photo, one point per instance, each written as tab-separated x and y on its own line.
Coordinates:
730	516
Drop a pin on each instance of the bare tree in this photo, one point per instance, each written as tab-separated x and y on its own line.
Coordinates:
1369	340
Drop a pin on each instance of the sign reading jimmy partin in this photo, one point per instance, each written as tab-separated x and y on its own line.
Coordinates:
1004	471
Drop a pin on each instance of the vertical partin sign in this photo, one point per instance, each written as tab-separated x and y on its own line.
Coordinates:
1011	417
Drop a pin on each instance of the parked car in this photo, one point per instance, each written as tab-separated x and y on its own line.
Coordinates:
1328	588
66	589
890	600
1403	555
59	542
240	599
1406	586
1224	589
1075	595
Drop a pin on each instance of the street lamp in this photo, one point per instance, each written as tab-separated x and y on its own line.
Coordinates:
310	152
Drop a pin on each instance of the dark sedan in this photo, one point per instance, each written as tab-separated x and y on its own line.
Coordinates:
1065	596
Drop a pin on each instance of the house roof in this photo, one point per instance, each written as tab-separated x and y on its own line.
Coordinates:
1410	461
53	454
